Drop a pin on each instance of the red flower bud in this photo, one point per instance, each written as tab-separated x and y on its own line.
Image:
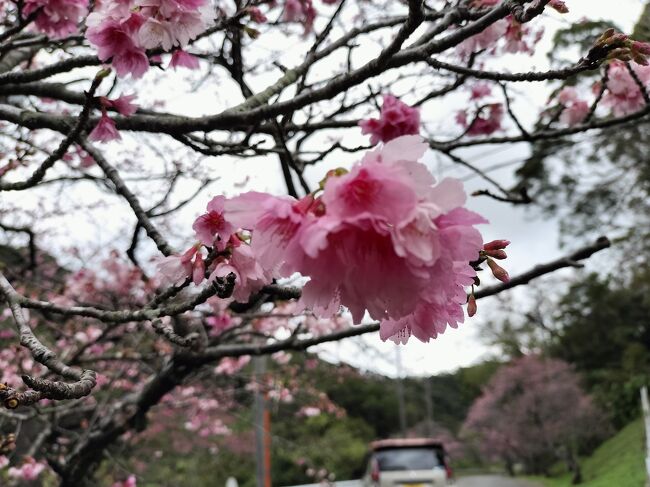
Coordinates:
641	47
499	272
496	245
471	305
559	5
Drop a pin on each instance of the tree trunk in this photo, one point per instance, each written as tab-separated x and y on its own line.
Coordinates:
574	467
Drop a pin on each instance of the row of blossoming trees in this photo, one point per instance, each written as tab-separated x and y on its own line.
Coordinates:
133	329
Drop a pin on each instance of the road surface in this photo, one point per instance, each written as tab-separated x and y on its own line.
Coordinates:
492	481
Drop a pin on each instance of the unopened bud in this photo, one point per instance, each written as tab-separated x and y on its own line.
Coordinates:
496	245
198	273
604	37
621	54
471	305
559	5
499	272
496	254
639	59
641	47
618	38
103	73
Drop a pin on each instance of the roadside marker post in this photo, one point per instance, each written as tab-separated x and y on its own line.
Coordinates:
645	404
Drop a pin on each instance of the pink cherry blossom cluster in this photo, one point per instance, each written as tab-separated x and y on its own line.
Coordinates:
301	11
30	470
56	18
504	36
129	482
382	238
396	119
124	30
485	121
623	94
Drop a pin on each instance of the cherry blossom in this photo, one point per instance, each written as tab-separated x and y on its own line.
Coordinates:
302	11
57	18
129	482
575	110
182	59
396	119
256	15
486	121
249	273
123	105
623	94
29	470
123	31
386	235
480	90
230	366
213	225
105	130
176	268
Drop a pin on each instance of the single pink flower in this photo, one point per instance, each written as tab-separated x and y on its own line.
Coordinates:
132	61
105	130
256	15
214	225
302	11
174	269
480	90
124	105
274	222
182	59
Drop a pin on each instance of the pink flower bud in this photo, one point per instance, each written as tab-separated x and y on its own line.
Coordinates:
198	273
496	245
496	254
499	272
471	305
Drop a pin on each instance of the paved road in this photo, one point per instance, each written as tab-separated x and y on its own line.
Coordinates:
491	481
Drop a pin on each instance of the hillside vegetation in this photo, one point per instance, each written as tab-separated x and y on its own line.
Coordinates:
618	462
